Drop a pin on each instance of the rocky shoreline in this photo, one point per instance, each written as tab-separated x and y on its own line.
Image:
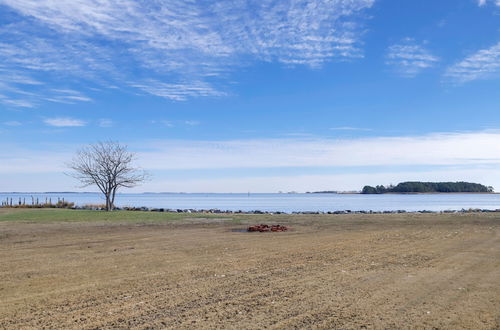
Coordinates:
217	211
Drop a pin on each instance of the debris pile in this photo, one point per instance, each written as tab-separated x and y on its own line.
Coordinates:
265	228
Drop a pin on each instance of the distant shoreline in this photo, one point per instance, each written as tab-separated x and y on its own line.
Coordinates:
416	187
246	193
415	193
438	193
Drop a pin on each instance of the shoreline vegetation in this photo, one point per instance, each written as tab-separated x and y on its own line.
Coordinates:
35	203
417	187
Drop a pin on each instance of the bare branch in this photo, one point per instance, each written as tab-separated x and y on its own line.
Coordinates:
107	165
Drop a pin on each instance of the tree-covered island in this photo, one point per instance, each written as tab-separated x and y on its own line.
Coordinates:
428	187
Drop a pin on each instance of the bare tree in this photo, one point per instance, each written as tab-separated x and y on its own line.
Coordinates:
109	166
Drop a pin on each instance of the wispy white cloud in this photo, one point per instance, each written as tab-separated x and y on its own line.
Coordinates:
474	148
409	58
349	128
434	149
293	32
68	96
178	92
105	123
14	96
173	123
167	123
484	2
64	122
483	64
17	102
192	122
297	134
164	122
183	49
13	123
470	156
18	79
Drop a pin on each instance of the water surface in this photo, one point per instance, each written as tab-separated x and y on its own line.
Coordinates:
280	202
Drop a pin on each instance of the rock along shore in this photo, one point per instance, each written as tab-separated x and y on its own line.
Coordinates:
217	211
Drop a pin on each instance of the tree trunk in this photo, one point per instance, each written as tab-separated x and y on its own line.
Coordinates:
108	202
113	194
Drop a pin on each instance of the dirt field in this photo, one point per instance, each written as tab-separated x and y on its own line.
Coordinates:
360	271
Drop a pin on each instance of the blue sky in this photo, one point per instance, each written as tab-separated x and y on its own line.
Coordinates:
247	95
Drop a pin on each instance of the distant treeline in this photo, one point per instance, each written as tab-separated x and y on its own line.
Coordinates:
429	187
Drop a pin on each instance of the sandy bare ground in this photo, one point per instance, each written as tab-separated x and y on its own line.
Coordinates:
373	271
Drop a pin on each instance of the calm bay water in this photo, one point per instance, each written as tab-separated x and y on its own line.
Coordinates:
280	202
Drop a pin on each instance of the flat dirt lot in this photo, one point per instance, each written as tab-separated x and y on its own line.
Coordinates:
349	272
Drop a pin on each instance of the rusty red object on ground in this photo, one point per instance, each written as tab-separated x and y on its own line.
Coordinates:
265	228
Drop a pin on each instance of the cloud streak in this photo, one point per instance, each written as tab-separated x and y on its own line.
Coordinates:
105	123
444	149
447	156
483	64
349	128
180	49
435	149
484	2
178	92
64	122
13	123
410	58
